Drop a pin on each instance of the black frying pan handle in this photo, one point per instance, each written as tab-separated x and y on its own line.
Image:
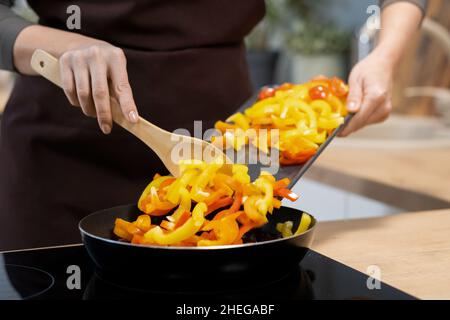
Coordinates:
309	163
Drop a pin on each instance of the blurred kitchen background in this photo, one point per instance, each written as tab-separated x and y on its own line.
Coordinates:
299	39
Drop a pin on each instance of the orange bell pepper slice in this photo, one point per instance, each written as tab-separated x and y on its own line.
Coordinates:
222	179
183	218
283	183
216	195
234	207
214	223
167	182
143	222
156	206
224	126
223	202
186	231
137	239
158	213
246	228
168	225
252	212
122	227
286	193
276	203
226	230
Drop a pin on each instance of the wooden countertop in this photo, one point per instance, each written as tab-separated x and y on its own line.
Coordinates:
411	179
411	249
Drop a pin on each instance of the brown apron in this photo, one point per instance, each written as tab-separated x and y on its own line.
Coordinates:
186	62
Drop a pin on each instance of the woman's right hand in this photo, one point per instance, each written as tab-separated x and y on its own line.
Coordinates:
90	74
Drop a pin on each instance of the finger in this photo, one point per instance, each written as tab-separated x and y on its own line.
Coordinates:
67	80
100	94
368	106
121	86
355	95
82	84
354	100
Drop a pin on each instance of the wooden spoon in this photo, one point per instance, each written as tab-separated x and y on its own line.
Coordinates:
170	147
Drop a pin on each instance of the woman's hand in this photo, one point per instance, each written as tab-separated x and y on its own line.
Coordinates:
371	79
91	74
370	85
92	70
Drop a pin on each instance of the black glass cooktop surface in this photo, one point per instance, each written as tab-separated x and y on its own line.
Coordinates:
67	273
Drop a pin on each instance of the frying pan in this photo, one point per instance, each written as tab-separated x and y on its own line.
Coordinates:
137	266
266	257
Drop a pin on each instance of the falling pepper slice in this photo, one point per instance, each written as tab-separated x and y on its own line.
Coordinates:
197	192
264	204
230	191
252	211
173	193
143	201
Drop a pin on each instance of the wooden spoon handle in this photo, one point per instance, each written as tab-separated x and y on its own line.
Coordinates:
47	66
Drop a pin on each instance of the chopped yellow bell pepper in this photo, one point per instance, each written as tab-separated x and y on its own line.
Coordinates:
144	222
223	126
185	204
252	212
263	108
227	191
330	123
285	229
173	193
240	120
191	164
240	173
264	204
337	104
322	106
303	106
198	192
187	230
154	184
305	222
313	112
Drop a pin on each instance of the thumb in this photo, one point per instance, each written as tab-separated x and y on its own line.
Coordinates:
355	94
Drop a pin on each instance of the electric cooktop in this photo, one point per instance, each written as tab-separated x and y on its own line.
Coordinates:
67	273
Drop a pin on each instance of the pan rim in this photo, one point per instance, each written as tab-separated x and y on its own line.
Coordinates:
186	248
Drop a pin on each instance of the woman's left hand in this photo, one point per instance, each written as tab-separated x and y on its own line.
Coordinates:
370	92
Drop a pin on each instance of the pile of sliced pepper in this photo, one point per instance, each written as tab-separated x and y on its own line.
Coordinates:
204	206
305	114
